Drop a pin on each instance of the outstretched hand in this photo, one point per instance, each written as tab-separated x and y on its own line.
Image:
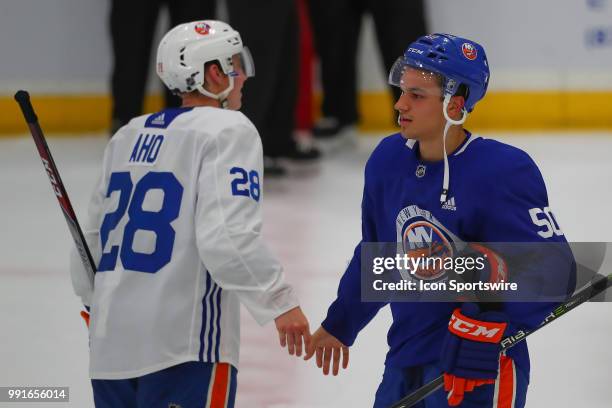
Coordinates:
293	329
328	349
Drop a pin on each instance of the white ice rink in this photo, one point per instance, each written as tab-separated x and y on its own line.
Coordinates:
312	223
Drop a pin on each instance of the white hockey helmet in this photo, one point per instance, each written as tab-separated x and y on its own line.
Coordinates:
185	49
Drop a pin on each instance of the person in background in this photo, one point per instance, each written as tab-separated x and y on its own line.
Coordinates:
272	29
132	26
336	25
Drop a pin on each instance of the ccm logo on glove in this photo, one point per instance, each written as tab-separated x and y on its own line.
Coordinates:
476	330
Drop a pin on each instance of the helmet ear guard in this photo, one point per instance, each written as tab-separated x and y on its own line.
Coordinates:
221	96
450	120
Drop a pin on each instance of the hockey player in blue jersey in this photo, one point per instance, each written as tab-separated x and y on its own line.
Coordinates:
436	182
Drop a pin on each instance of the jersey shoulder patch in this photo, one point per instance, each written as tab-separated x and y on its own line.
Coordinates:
163	119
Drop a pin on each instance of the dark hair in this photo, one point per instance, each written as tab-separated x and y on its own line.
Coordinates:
214	62
463	90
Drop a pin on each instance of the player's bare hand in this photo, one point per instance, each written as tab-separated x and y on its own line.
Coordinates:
293	331
329	350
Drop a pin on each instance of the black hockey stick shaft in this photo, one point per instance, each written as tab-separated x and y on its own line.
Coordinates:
23	99
580	297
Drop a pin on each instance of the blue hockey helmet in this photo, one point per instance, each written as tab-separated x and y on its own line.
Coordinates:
458	60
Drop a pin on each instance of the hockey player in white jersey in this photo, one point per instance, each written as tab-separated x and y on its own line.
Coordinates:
175	225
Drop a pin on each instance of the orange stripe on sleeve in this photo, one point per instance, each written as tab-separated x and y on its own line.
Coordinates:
505	398
220	386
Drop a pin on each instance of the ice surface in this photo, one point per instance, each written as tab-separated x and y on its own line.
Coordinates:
312	223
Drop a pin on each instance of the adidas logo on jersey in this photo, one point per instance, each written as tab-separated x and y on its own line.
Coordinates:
160	120
450	204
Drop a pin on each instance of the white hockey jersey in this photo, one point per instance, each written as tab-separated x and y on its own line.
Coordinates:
175	225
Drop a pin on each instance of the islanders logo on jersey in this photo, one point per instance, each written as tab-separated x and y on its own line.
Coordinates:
423	237
202	28
469	51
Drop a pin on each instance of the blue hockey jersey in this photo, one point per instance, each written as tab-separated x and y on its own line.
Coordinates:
496	194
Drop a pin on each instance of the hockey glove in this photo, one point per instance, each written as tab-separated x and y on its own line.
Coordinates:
471	348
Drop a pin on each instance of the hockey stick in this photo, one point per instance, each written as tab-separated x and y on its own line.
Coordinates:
23	99
583	295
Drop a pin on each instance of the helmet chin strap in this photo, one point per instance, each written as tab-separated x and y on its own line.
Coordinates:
221	96
449	122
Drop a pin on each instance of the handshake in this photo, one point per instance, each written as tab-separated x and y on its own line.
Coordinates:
294	333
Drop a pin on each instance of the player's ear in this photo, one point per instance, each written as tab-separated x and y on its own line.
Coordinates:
456	105
213	76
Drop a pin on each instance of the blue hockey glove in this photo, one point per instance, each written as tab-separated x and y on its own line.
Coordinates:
471	350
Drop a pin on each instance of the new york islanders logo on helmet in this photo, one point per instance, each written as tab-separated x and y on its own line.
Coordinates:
469	51
202	28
